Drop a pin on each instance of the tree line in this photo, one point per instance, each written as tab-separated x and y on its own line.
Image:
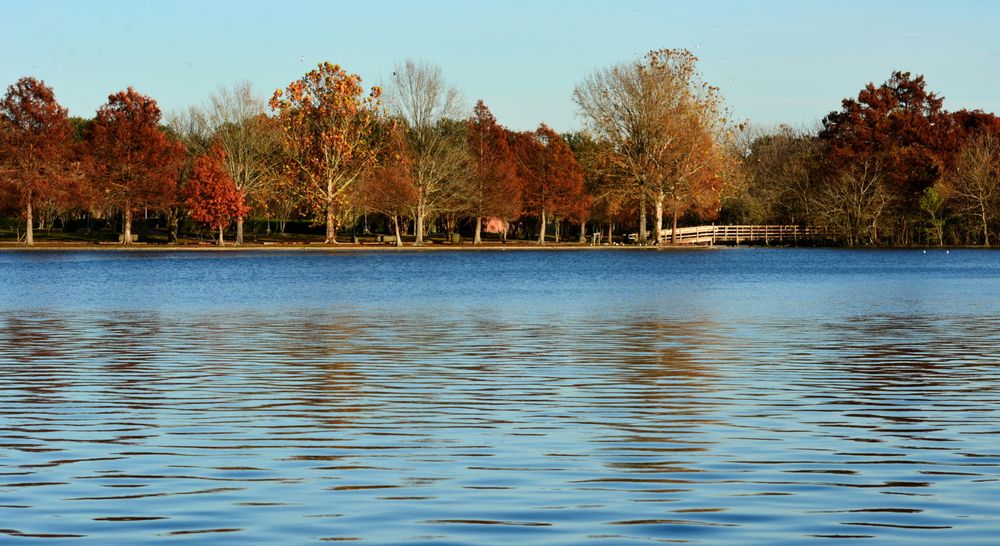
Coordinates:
658	148
890	167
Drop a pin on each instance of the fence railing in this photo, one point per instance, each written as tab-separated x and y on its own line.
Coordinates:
736	234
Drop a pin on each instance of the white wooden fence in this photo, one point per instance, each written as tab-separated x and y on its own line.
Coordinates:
736	234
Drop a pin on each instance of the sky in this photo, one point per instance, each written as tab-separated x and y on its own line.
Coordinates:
775	61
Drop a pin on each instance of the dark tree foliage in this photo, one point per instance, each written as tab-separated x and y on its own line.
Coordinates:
901	126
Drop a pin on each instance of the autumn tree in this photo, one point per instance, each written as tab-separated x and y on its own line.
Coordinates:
493	188
967	124
426	105
576	208
283	201
186	128
901	126
35	148
552	178
211	195
390	188
662	120
687	120
976	180
689	171
607	188
778	176
620	109
235	119
135	161
571	202
330	132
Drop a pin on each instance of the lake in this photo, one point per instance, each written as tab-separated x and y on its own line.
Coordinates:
728	396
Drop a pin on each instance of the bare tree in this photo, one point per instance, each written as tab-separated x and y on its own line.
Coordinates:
237	119
779	174
976	180
855	200
428	108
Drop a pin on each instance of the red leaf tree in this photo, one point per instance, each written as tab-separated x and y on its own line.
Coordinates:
493	188
35	145
899	125
136	163
552	178
391	188
211	194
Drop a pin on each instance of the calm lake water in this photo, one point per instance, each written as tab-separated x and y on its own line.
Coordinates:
746	396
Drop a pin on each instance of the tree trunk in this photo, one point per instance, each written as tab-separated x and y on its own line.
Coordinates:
541	229
583	231
611	232
173	226
29	233
673	231
221	241
395	226
659	220
239	231
331	229
643	235
419	225
451	221
127	235
555	229
986	229
479	227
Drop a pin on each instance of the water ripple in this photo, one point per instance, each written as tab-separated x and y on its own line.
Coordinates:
584	417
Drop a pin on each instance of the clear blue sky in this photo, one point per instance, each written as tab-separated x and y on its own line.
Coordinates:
780	61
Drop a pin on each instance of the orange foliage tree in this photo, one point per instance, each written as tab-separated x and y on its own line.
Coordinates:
690	169
552	178
211	195
34	148
331	136
493	188
391	188
136	164
662	121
